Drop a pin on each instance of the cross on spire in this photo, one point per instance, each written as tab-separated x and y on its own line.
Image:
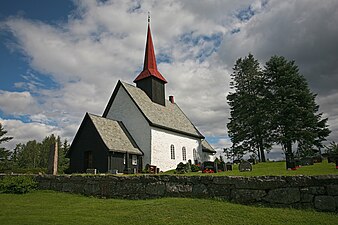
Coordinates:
150	66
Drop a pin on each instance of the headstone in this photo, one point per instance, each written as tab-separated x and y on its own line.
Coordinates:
245	166
228	166
306	161
221	166
290	161
53	159
152	169
209	166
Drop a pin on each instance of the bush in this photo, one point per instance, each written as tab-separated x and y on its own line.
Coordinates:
183	168
17	184
195	168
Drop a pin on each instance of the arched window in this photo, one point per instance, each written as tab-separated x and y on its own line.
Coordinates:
194	152
184	154
172	151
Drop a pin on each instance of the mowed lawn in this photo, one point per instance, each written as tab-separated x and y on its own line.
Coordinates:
276	169
48	207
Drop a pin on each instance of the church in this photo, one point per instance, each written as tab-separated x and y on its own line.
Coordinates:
139	127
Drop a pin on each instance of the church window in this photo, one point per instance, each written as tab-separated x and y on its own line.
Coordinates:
134	160
172	151
194	152
184	154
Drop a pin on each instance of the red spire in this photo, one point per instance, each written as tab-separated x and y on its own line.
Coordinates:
150	67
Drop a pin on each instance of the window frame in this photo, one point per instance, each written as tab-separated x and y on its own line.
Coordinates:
172	151
184	153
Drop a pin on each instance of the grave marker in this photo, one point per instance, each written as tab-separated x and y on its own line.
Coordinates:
53	159
245	166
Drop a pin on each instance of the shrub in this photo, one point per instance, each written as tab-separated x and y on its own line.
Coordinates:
17	184
183	168
195	168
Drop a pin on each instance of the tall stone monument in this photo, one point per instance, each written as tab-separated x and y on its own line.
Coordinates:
53	159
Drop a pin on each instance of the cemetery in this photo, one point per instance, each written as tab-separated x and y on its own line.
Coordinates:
319	192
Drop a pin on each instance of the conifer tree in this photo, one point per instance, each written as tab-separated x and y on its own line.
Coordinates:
249	123
295	116
4	153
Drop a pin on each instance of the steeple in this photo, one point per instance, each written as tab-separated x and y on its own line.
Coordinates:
150	66
150	80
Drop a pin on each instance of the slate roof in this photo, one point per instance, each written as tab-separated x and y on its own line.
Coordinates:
206	147
114	135
169	117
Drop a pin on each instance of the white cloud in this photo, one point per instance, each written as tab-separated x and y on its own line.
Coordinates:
23	132
103	42
17	103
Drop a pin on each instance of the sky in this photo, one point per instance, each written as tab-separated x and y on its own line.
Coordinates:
61	59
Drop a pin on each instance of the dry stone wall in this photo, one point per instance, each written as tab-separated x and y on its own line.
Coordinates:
318	192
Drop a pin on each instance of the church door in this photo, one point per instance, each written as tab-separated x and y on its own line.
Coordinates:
88	160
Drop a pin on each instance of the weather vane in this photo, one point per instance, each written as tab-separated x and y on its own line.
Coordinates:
148	16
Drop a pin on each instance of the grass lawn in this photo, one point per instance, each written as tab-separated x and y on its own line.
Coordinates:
48	207
276	169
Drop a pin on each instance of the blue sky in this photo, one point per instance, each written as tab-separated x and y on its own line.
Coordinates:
13	62
60	59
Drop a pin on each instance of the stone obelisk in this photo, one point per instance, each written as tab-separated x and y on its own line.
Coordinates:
53	159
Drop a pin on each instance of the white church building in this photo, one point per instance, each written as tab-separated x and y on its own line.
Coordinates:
139	127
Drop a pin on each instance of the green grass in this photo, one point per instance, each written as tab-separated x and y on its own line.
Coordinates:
47	207
275	169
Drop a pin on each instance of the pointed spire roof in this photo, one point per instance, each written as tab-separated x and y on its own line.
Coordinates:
150	66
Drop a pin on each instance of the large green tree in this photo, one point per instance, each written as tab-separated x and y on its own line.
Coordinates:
295	116
35	155
249	122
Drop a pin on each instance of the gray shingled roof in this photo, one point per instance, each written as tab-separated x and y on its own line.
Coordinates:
114	135
206	147
169	116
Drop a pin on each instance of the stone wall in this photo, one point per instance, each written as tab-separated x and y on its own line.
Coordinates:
318	192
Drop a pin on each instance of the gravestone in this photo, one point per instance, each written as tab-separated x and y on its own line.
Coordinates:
209	166
245	166
221	166
228	166
53	159
306	161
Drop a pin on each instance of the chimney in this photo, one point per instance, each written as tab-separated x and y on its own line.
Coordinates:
171	99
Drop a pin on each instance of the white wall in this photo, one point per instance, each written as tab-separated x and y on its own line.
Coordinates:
161	140
205	156
125	110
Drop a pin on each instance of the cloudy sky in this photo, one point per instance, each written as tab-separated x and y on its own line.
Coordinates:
60	59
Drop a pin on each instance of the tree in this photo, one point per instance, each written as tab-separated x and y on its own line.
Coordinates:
29	155
63	161
234	153
293	108
332	148
35	155
249	125
4	153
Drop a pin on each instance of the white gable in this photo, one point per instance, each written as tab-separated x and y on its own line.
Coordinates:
124	109
142	117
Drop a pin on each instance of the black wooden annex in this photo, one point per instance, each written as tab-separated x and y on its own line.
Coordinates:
104	145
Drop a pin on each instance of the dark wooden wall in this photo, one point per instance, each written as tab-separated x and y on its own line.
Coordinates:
88	139
154	88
